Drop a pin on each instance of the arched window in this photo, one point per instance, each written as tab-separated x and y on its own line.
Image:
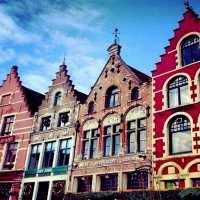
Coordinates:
134	94
179	135
190	50
91	107
178	92
57	99
112	97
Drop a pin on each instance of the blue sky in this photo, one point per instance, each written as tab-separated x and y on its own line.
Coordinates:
36	35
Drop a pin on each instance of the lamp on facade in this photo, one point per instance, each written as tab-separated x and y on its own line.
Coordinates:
77	125
147	111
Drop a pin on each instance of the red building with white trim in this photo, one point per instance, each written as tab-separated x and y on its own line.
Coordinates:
176	118
17	107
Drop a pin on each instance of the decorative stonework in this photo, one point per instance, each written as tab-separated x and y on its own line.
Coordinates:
90	124
37	138
68	131
136	112
111	119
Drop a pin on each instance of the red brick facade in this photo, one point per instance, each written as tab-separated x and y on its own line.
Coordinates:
17	107
176	107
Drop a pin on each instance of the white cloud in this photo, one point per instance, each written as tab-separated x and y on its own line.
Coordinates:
6	54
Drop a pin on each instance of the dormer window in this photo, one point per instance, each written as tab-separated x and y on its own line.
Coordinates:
57	99
91	107
112	97
46	123
134	94
190	50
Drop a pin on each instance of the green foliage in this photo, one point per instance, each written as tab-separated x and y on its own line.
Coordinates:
132	195
189	192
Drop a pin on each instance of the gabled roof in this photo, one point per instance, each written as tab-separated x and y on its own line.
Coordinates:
34	99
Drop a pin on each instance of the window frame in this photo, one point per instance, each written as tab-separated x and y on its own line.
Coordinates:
89	147
48	156
112	97
84	184
63	119
176	86
135	128
64	160
34	156
10	157
188	47
111	135
135	183
48	121
8	123
107	182
134	94
57	98
91	107
181	128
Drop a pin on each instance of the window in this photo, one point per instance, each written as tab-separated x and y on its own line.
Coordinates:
64	152
63	119
134	94
34	157
49	154
43	190
57	99
178	92
173	184
196	182
28	189
190	50
84	184
46	122
136	135
180	135
10	156
7	125
139	181
109	182
111	140
91	107
112	97
89	144
5	99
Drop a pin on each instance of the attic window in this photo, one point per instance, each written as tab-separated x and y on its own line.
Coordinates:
5	99
100	87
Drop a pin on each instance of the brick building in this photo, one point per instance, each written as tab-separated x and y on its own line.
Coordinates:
176	95
17	107
51	149
114	137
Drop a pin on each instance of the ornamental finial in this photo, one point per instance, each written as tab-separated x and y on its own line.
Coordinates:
187	5
116	36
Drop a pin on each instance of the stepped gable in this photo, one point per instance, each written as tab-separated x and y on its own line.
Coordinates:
62	79
33	99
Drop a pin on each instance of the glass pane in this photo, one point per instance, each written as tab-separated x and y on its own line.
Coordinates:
142	123
132	125
181	142
184	95
107	130
107	146
86	134
116	143
173	97
132	142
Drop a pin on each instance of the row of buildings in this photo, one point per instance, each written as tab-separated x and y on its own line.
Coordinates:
132	131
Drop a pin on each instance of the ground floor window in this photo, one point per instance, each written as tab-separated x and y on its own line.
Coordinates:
172	184
58	190
109	182
43	191
28	191
137	182
196	182
84	184
5	190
